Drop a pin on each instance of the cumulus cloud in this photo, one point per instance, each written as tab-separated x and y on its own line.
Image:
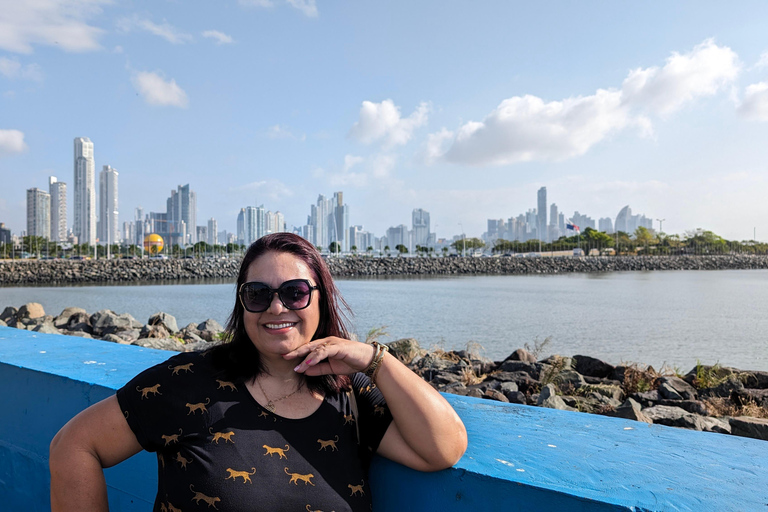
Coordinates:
11	68
164	30
62	23
351	160
12	141
525	128
762	62
382	122
754	106
157	91
704	71
218	37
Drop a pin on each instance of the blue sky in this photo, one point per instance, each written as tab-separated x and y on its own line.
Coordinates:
462	108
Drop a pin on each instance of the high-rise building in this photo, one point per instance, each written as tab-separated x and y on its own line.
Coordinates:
38	213
554	232
213	229
240	236
541	215
605	225
5	234
58	191
202	233
254	224
341	221
108	212
182	207
420	227
84	226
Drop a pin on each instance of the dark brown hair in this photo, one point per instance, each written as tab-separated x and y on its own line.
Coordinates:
239	359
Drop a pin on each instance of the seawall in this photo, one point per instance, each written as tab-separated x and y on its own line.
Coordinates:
38	272
519	457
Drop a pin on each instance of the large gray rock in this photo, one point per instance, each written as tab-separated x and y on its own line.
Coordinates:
62	320
589	366
46	328
406	349
520	366
745	396
521	355
755	380
493	394
30	310
747	426
725	388
210	325
548	398
675	388
707	424
154	332
113	338
108	322
569	378
632	410
665	414
607	390
166	320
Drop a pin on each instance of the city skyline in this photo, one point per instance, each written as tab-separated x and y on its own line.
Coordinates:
466	116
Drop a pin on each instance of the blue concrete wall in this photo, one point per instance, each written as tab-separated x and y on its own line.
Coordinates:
519	457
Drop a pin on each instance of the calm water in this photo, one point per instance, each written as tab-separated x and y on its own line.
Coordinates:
649	317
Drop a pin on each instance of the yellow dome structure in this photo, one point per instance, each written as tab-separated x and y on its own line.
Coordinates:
153	244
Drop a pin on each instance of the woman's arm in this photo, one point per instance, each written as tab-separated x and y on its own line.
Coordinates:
98	437
426	433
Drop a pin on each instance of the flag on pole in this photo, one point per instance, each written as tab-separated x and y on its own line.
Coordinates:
573	227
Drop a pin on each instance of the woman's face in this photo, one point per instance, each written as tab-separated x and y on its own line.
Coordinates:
279	330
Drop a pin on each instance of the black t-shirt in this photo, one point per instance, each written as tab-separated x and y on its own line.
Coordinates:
218	448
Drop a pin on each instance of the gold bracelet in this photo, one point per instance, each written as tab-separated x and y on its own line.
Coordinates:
378	349
376	370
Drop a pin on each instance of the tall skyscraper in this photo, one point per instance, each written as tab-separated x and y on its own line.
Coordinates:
541	215
420	226
213	229
182	208
38	213
108	212
84	226
341	219
240	237
58	191
553	232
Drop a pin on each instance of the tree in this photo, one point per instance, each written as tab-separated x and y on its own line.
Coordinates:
598	239
386	249
643	237
401	249
353	249
369	250
335	248
445	251
700	241
468	244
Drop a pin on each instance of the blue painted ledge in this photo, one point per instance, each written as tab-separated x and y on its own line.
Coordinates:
519	457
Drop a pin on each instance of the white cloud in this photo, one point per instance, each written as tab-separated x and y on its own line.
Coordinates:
283	132
762	62
219	37
526	128
166	30
62	23
12	141
13	69
436	145
704	71
382	122
274	190
308	7
157	91
350	161
754	106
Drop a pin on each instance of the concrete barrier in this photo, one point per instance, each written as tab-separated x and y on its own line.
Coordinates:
519	457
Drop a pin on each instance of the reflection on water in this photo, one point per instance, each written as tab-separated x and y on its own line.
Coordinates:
675	317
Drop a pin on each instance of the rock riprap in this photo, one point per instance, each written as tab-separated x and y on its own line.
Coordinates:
24	272
708	398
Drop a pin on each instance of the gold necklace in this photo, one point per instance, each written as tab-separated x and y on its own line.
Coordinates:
271	403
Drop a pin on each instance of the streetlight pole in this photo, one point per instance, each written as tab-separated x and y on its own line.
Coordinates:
463	242
660	221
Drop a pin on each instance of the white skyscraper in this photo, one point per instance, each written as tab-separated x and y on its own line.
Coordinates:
84	226
38	213
58	191
213	229
108	226
420	226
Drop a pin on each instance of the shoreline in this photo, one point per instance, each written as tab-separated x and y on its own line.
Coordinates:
68	272
708	398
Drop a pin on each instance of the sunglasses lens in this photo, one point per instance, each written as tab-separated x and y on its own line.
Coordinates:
256	297
295	294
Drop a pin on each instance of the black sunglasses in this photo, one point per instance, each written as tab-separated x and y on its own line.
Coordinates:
294	294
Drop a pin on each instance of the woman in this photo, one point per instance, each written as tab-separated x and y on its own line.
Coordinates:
280	418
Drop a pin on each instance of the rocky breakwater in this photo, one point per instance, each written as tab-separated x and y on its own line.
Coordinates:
366	266
22	272
160	331
708	398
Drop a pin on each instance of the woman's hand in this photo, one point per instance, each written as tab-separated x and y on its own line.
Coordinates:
332	355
